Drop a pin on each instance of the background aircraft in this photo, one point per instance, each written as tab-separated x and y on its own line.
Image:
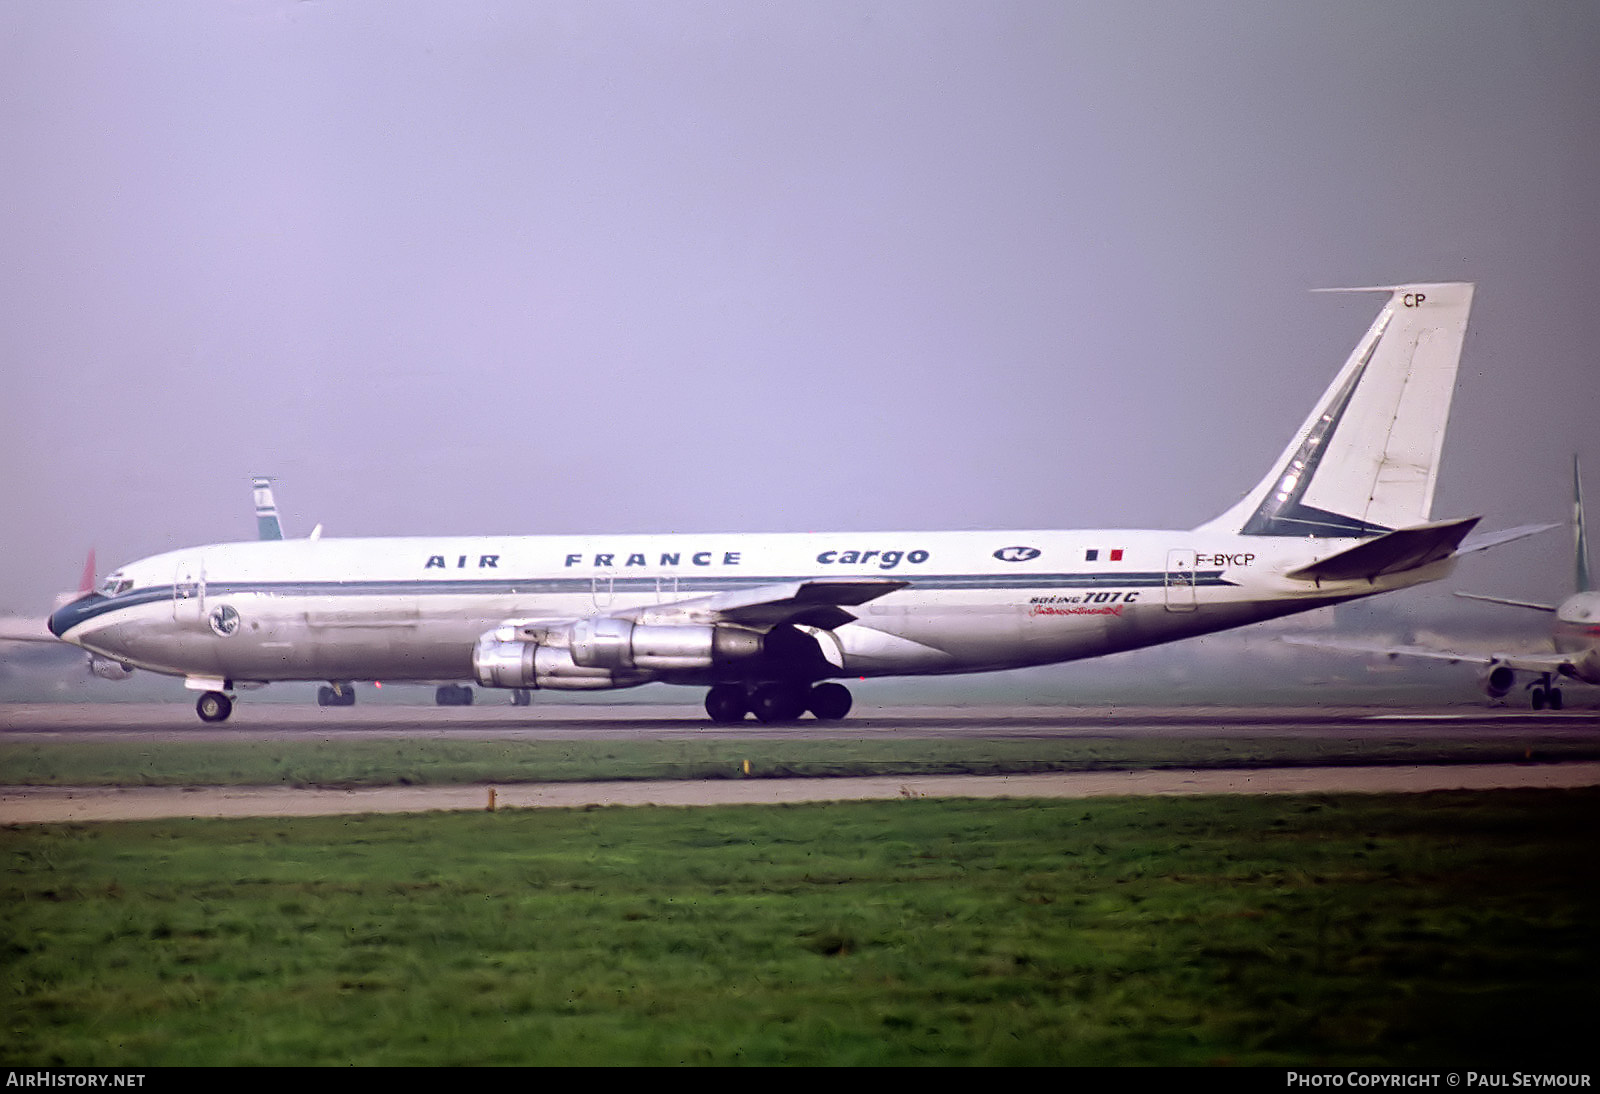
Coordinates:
1575	633
26	628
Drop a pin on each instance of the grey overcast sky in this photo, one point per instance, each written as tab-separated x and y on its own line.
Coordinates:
584	266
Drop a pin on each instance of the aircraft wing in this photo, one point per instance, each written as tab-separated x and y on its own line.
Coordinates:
1552	662
22	628
1342	646
818	602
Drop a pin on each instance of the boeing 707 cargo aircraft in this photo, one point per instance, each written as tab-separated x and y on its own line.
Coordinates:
768	623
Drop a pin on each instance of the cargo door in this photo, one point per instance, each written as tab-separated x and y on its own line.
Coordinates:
189	590
1180	580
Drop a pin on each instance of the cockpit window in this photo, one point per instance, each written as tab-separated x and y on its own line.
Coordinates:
115	585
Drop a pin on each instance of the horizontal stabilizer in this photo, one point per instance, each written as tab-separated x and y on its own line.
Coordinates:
1509	535
1508	602
1403	549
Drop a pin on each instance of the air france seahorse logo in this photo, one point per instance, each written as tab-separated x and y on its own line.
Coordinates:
1017	554
224	620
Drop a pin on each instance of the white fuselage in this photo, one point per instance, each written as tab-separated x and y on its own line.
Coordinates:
1343	512
412	608
1577	632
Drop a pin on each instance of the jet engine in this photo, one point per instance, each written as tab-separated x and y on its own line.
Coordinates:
109	669
1497	680
592	654
619	644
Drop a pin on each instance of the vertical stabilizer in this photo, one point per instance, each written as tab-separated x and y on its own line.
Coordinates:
1366	460
1583	578
267	524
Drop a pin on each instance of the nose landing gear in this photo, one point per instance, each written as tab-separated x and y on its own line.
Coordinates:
213	706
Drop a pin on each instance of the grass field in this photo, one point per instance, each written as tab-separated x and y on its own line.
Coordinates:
1447	930
441	761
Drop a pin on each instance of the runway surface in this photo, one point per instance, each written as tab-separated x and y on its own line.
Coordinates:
266	721
23	723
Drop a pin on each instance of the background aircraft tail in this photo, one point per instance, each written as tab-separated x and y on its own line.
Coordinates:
267	524
1366	460
1582	577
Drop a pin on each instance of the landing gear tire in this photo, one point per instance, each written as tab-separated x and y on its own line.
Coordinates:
521	697
1536	698
829	702
1554	695
726	703
453	695
341	695
775	702
213	706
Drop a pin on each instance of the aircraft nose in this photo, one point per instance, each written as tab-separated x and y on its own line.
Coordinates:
64	618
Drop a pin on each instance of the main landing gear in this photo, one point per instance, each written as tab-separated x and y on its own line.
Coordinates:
337	694
1544	692
777	701
453	695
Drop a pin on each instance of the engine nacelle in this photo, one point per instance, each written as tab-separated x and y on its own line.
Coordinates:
108	669
593	654
502	660
1497	680
611	643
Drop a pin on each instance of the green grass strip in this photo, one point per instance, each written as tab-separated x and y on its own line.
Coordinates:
394	761
1442	930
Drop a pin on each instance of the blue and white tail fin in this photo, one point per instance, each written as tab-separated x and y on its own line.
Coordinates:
1582	576
267	523
1366	460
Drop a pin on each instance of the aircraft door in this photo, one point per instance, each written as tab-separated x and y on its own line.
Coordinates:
1180	580
667	589
603	587
189	591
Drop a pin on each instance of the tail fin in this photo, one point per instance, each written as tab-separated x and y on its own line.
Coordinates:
267	525
85	587
1585	581
1366	460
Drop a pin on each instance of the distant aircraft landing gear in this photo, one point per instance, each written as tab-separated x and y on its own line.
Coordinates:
213	706
337	694
1544	692
453	695
521	697
777	701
